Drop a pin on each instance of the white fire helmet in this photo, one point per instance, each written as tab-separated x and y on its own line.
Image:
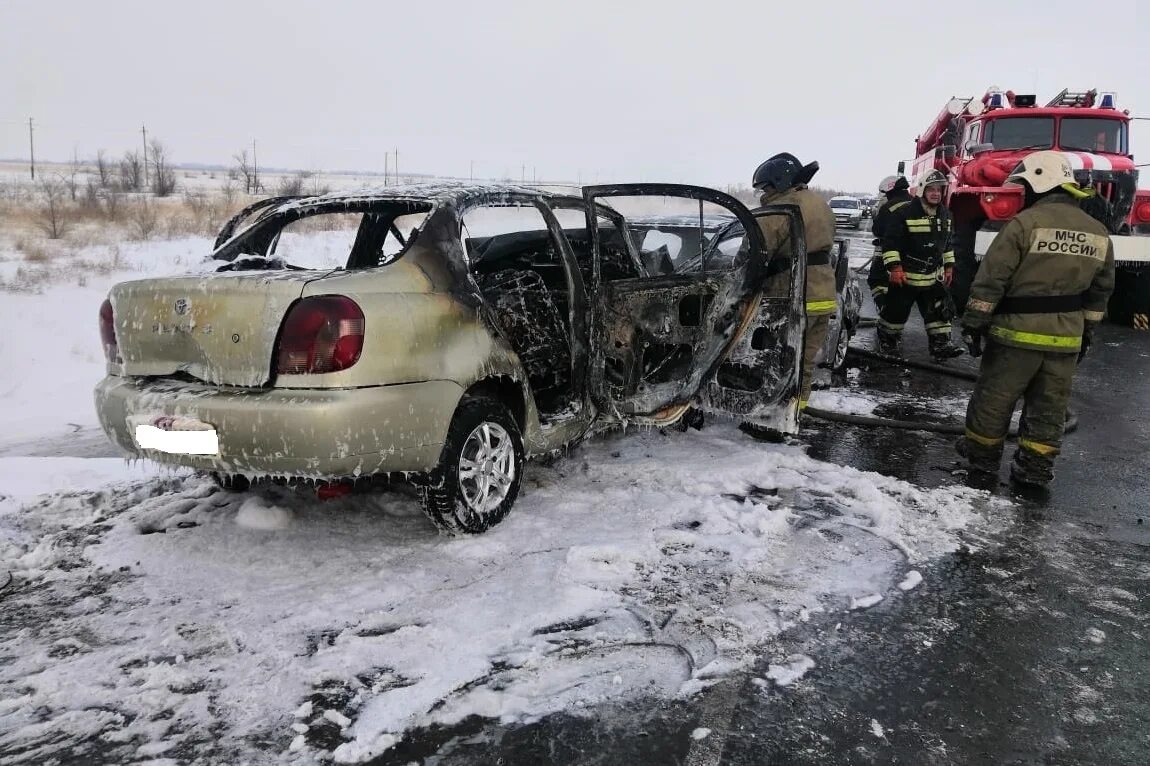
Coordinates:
1045	171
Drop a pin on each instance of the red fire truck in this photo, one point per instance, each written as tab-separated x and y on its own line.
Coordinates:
976	142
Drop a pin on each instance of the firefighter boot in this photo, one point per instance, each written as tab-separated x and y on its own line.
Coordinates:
981	462
942	348
1031	469
889	343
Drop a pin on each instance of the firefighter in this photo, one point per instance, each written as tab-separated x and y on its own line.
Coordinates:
1038	294
782	180
919	263
895	188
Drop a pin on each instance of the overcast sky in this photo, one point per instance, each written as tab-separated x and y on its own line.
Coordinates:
697	91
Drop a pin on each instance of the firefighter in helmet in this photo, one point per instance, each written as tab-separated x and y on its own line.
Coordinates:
1038	294
895	189
919	260
782	180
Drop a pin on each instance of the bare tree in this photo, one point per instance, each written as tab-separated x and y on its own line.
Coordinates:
131	172
53	218
103	169
293	185
145	218
246	171
316	187
91	199
72	181
163	177
228	190
112	208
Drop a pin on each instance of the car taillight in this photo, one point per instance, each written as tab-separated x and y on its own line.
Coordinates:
320	334
108	333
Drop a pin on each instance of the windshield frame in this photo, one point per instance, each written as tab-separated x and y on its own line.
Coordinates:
845	203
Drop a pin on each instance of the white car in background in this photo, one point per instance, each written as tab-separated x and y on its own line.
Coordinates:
848	211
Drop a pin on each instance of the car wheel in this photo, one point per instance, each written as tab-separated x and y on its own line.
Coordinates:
844	341
480	471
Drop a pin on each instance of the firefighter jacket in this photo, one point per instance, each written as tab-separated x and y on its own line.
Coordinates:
1049	270
895	201
819	227
919	242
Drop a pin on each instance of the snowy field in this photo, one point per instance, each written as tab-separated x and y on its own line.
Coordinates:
152	617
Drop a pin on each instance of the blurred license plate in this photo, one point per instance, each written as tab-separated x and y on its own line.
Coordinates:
177	436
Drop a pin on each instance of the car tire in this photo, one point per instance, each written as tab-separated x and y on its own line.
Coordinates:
470	504
839	360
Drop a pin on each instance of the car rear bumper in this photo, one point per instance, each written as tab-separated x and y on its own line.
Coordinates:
305	433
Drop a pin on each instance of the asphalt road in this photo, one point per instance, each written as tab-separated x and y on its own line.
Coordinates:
1033	650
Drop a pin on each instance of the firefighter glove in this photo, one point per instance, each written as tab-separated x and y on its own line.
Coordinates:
973	338
948	275
898	276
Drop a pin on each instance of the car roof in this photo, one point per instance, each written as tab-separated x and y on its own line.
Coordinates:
685	221
438	192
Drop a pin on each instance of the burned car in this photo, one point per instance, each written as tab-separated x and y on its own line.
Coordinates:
685	243
441	333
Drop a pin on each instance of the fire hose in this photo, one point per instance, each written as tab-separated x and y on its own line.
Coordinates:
874	421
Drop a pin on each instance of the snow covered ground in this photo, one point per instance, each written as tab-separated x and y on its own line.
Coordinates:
153	616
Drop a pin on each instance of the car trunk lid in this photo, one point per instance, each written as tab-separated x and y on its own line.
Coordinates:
220	329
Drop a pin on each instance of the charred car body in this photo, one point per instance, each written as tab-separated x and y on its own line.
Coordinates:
685	243
428	349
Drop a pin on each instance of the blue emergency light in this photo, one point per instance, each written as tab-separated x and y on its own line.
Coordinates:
996	100
1108	101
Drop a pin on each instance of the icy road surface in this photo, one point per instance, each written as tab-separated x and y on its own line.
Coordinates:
152	616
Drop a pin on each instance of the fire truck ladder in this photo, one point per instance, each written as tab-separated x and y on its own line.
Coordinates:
1067	98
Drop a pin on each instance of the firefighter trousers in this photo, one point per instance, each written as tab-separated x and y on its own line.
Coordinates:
817	326
876	280
933	303
1042	379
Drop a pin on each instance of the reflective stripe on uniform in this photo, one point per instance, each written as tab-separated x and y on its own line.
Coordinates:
803	404
1068	342
948	257
1093	316
1046	450
977	305
820	307
934	328
985	441
918	225
891	256
921	280
890	326
878	290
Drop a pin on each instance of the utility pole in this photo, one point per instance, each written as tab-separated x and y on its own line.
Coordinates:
386	160
255	170
144	133
31	149
523	173
397	165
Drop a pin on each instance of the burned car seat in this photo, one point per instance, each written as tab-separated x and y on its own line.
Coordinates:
529	318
